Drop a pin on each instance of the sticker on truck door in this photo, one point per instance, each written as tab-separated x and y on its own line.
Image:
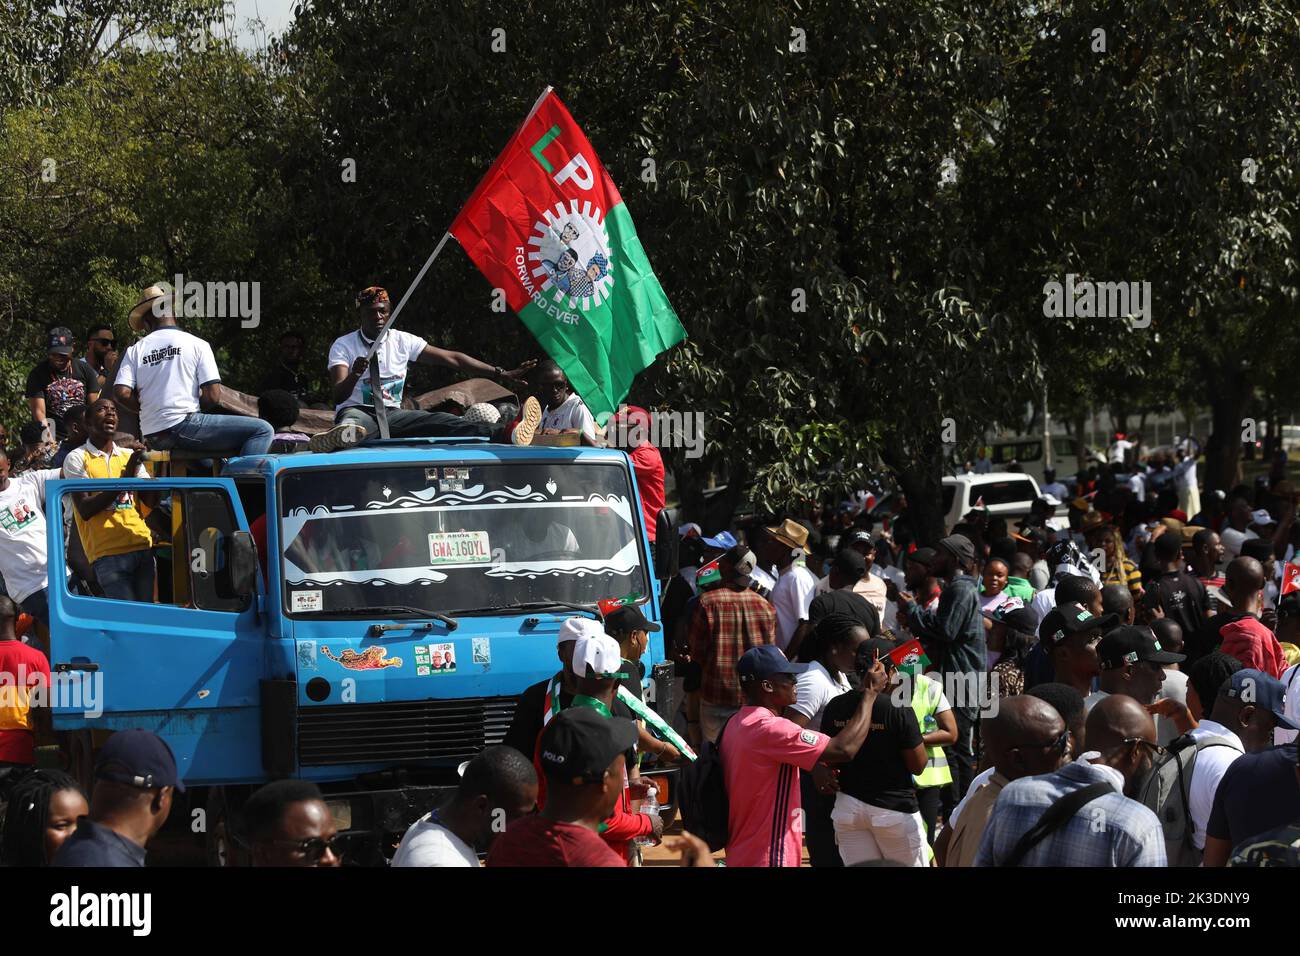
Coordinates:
459	547
305	601
434	659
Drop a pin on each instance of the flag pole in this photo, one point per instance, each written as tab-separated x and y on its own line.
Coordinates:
381	412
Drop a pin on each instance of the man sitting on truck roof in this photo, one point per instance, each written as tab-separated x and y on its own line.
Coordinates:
350	382
169	376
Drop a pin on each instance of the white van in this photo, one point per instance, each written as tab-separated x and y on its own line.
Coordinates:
1006	494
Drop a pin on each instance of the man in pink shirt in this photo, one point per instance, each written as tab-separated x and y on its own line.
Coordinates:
761	753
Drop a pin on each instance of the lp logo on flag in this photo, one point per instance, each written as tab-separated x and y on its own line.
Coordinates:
548	226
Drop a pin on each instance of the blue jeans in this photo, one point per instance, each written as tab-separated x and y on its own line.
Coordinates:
200	432
37	604
127	577
412	423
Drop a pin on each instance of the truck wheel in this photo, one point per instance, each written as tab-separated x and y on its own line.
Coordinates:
219	846
80	748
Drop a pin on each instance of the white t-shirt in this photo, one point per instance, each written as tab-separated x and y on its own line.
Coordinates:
1174	688
980	780
1093	699
23	557
1291	709
1119	450
815	688
1137	484
399	349
794	592
1232	540
167	368
431	844
1211	763
1043	602
572	414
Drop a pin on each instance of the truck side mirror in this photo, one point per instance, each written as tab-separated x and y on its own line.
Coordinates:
665	550
243	563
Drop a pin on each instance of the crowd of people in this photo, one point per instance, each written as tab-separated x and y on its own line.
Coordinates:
852	693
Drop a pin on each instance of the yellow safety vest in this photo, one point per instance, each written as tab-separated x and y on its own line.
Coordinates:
925	700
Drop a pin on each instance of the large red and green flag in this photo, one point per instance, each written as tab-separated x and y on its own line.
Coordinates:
548	226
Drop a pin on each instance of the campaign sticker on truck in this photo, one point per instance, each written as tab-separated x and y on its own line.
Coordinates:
305	601
482	648
432	659
458	547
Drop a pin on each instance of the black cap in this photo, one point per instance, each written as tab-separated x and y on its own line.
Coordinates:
1066	619
138	758
858	538
764	661
850	564
579	744
959	546
628	619
60	340
1020	619
923	556
1129	644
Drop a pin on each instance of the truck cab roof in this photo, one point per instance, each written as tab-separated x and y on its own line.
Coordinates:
399	450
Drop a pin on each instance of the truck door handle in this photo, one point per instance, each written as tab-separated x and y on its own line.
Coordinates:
63	667
377	629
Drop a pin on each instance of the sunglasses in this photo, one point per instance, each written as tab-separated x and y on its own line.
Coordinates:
105	341
314	848
1058	744
1156	749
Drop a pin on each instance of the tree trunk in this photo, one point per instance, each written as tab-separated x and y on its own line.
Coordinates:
1223	450
920	476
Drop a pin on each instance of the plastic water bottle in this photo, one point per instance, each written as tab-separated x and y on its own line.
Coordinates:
650	807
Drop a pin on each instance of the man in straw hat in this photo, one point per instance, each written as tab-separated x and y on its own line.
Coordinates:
796	586
168	376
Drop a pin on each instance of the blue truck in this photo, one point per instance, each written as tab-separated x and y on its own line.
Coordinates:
363	619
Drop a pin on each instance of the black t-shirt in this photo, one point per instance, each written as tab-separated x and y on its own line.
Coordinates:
529	713
1182	597
877	775
847	603
62	390
1258	792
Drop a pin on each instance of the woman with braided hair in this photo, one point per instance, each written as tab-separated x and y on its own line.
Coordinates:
43	809
831	648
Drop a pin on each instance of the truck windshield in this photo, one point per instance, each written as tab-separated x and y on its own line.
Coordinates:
458	537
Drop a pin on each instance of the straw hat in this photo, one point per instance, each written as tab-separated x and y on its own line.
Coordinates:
147	299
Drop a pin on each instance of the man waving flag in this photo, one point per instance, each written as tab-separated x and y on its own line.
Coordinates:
548	226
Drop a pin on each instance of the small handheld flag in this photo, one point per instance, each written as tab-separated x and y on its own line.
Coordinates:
1290	578
709	574
608	606
909	658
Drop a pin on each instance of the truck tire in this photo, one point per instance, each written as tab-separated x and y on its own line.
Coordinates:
220	848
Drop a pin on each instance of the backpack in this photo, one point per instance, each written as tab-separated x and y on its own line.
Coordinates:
1166	791
706	808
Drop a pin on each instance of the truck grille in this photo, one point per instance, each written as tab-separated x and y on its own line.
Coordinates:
401	730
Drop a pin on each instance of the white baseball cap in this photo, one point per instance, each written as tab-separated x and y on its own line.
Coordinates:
1261	518
576	628
597	656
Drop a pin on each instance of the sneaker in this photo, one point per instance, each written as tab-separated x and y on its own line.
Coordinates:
339	437
530	416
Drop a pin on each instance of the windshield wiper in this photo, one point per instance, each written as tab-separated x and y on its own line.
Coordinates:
447	619
545	604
